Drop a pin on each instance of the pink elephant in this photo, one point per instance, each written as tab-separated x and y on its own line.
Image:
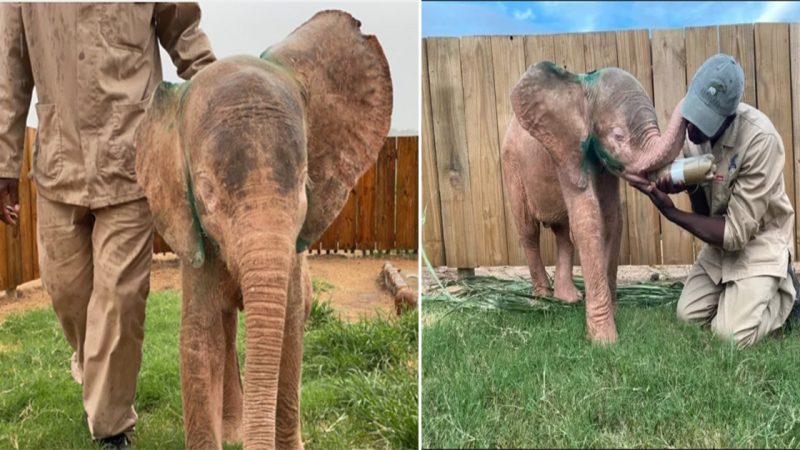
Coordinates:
572	135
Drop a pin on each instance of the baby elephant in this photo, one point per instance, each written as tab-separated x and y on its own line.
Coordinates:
572	135
245	166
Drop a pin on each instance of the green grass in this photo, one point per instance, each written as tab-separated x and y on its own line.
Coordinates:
359	382
529	378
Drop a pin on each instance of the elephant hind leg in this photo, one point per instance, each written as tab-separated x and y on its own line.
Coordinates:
564	288
527	226
530	241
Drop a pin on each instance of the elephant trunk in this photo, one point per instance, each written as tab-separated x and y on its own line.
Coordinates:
264	264
659	149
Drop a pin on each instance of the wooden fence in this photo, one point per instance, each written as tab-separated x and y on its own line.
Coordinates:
380	214
466	108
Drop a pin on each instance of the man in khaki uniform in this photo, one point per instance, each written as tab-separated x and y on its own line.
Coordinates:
742	281
94	67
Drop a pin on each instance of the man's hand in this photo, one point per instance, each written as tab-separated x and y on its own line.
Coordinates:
665	184
9	200
657	196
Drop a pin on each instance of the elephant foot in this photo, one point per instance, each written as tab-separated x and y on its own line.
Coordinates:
567	292
604	334
540	292
232	431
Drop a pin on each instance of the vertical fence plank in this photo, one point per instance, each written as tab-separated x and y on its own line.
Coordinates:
159	244
600	50
330	238
13	255
432	239
407	218
569	51
450	142
794	50
773	84
701	44
25	224
347	225
365	200
539	48
384	195
31	132
644	230
738	41
483	150
669	84
5	282
508	62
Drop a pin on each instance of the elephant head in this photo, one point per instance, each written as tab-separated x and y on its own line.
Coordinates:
606	113
253	158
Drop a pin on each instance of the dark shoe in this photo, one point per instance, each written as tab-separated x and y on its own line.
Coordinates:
118	442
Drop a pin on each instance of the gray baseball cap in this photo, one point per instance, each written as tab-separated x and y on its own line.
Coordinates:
714	94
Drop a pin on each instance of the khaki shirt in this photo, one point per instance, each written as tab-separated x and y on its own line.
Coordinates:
94	67
748	190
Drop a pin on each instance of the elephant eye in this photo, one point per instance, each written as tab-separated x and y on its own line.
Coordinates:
618	135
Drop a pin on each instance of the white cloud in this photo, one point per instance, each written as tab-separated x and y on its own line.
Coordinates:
523	15
776	11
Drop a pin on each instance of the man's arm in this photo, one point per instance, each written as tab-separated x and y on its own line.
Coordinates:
699	203
709	229
178	31
16	87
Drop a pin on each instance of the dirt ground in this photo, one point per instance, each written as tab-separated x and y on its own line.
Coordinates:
625	274
356	284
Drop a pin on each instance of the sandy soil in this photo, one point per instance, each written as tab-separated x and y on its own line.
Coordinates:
356	291
358	288
625	274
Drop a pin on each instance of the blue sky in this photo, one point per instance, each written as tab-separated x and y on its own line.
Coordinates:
482	18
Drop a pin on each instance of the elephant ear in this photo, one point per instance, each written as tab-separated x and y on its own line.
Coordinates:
550	103
161	171
348	91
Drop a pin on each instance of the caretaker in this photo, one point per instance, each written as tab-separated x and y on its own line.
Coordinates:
94	67
742	281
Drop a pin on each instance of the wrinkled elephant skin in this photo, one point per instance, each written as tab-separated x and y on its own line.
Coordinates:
245	166
572	135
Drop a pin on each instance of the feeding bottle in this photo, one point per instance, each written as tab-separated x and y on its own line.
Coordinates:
689	171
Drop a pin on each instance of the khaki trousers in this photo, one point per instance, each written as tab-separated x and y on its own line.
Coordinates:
95	264
743	310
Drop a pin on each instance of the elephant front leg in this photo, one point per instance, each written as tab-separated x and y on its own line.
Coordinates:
610	207
202	353
232	383
586	221
288	415
563	286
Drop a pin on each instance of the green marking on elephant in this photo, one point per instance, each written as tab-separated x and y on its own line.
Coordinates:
184	90
199	257
301	244
560	72
589	78
557	71
595	157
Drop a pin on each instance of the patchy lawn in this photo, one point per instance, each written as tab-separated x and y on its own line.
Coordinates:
359	381
529	378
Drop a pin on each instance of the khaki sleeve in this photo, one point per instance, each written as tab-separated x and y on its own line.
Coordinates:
178	30
16	87
760	176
